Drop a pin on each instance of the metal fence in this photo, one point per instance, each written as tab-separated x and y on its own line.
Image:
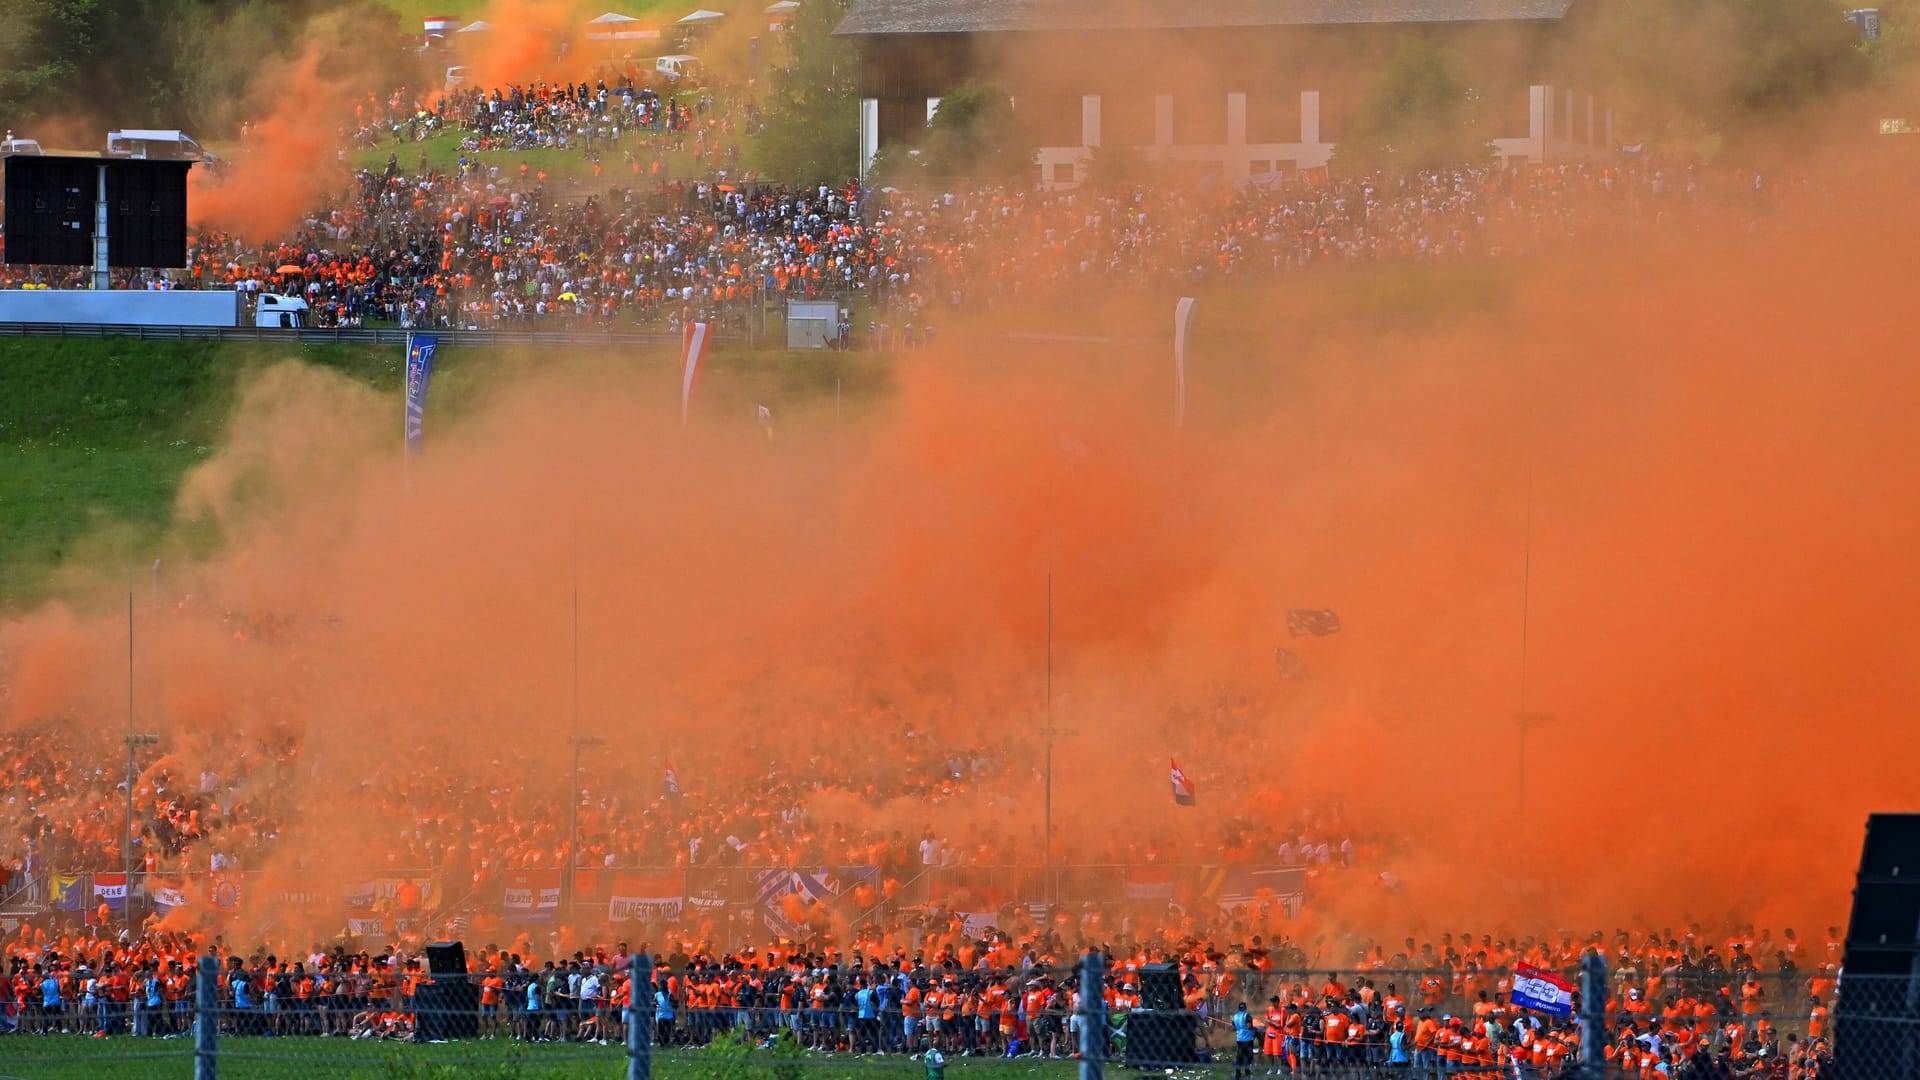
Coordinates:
730	1020
352	336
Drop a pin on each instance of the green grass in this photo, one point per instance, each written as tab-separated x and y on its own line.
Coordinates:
96	434
411	12
563	167
74	1058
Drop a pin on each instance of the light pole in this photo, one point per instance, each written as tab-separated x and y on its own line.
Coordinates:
579	743
133	741
1526	721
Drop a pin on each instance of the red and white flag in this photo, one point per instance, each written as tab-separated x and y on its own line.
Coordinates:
1182	787
693	349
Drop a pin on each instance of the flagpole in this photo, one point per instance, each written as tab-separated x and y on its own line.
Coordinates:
1048	860
406	416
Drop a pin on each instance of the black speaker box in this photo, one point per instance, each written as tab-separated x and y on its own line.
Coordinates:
446	958
1160	988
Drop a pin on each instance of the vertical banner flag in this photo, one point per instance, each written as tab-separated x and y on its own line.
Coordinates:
693	349
65	890
1182	320
420	350
1542	991
1182	787
111	889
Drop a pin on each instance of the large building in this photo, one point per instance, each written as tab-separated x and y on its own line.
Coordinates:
1237	88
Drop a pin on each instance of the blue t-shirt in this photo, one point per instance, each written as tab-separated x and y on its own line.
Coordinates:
663	1004
1397	1052
533	996
863	1000
242	993
1243	1026
153	993
50	993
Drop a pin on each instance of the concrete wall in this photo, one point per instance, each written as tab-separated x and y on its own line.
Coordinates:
1562	125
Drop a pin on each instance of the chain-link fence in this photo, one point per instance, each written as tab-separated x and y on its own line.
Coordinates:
731	1020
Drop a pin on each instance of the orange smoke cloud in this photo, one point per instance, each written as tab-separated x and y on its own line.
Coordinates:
289	160
1678	472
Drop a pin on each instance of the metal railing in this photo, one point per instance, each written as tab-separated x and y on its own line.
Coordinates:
353	336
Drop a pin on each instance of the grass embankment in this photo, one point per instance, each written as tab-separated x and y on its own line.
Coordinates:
96	434
567	170
73	1058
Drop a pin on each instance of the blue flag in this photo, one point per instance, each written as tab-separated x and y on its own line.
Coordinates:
420	349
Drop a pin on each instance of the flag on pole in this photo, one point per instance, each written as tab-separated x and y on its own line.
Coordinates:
1312	622
1182	787
1542	991
673	781
65	892
1182	321
420	350
111	890
693	349
765	416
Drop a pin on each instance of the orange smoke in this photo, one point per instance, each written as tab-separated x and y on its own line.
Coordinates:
1680	473
290	159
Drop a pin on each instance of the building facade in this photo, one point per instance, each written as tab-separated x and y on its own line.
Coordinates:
1239	89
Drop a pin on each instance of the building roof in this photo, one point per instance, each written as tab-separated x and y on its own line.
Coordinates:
986	16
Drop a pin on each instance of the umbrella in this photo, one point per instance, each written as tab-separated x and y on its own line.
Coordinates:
568	296
498	200
291	268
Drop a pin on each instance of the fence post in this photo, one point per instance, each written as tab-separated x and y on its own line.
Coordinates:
1093	1015
1593	1015
640	1016
206	1020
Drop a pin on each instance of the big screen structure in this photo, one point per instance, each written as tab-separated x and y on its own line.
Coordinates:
52	203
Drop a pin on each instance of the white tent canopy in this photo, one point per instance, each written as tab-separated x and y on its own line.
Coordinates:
610	18
783	7
474	28
703	15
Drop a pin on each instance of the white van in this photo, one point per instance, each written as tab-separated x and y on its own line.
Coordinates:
157	144
11	145
676	67
274	310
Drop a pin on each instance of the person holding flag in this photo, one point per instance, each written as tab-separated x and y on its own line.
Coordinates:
1182	787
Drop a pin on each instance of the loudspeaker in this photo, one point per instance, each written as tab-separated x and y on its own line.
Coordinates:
446	958
1162	1040
1876	1020
1160	988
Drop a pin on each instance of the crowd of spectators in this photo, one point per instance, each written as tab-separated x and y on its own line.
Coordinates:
494	241
1675	1008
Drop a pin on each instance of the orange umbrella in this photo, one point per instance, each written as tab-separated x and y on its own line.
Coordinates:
290	268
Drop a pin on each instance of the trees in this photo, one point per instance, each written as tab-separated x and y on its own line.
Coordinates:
810	130
974	135
1680	69
1421	112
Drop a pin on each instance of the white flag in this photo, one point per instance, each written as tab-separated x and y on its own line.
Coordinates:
1182	320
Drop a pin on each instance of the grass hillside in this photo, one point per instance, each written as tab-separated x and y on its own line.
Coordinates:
95	435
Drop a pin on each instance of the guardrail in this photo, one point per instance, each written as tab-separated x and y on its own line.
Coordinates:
340	336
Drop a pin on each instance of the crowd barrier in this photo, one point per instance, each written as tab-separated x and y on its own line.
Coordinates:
353	336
